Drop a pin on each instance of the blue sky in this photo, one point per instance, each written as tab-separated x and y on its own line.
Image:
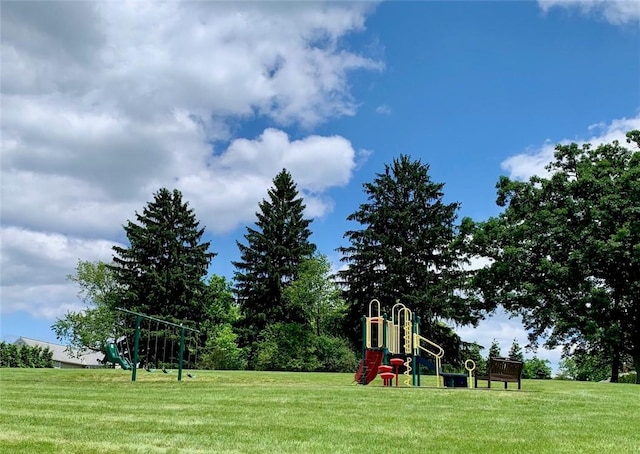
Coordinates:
100	109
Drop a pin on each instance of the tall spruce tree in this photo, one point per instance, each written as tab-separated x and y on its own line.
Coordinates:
408	250
271	258
161	272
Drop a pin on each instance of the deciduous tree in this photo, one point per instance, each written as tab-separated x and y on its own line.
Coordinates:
90	328
566	251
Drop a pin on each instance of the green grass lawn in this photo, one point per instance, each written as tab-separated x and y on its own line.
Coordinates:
101	411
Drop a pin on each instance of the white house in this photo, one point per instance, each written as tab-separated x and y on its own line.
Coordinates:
61	357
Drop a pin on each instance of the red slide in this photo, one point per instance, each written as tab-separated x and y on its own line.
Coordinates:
369	366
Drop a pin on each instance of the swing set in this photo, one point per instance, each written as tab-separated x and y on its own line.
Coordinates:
149	359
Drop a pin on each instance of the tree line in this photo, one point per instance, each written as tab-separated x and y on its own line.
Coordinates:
12	355
564	254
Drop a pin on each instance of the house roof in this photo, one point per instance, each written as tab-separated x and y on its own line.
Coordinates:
61	354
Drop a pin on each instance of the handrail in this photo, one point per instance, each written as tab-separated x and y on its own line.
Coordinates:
438	356
418	338
393	311
371	304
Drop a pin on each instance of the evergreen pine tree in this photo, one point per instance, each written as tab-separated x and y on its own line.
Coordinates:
515	352
271	258
161	272
408	250
495	350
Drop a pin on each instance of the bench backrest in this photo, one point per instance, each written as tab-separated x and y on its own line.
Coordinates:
503	368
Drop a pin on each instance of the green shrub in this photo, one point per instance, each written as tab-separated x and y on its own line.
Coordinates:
222	351
286	347
628	378
294	347
536	368
335	355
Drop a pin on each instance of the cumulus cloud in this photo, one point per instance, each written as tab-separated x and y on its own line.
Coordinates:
35	265
504	329
103	103
617	12
533	162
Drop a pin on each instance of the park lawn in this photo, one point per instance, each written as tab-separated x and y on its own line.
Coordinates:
102	411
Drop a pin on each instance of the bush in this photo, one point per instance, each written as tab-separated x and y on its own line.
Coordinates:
293	347
631	377
222	351
287	347
335	354
536	368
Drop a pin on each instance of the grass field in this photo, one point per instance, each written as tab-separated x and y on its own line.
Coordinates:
102	411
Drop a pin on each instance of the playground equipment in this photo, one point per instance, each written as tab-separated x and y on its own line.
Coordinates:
113	356
388	344
149	358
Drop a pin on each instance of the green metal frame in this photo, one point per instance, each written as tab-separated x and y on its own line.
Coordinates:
136	342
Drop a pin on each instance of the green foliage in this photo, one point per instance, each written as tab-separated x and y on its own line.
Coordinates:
293	347
334	354
270	260
316	295
515	352
473	352
161	272
222	352
584	366
631	377
220	342
495	351
219	303
566	251
286	346
536	368
12	355
90	328
409	249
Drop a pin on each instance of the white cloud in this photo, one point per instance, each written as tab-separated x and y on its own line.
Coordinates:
103	103
617	12
502	328
383	109
533	162
34	269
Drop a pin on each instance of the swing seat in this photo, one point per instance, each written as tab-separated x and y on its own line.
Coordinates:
150	370
166	371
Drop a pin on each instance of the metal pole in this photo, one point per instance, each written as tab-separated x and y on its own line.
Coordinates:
181	353
385	347
418	332
364	350
136	342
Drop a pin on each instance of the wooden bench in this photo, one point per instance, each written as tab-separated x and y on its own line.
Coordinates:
504	370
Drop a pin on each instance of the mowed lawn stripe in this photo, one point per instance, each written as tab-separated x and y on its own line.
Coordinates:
103	411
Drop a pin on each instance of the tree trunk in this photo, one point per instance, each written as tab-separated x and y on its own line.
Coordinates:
615	365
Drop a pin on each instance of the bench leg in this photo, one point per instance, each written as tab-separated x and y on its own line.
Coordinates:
505	385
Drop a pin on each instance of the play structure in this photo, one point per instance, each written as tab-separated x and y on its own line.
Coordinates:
157	345
390	345
113	356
